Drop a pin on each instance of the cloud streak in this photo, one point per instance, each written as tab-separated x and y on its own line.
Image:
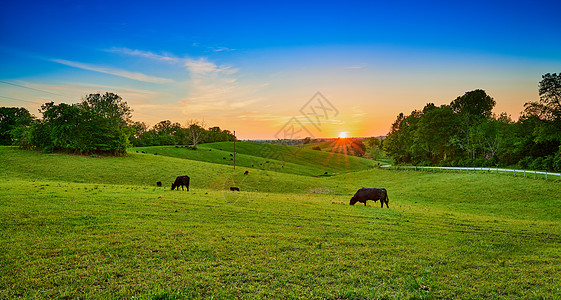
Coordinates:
145	54
202	66
117	72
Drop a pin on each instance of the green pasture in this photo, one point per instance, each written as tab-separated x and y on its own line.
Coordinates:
98	228
262	156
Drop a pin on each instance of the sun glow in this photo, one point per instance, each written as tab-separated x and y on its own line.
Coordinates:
342	135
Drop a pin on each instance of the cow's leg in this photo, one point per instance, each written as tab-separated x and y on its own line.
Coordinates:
382	202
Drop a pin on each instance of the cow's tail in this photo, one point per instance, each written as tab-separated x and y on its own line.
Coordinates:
387	200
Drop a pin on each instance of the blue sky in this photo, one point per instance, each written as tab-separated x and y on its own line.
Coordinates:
251	66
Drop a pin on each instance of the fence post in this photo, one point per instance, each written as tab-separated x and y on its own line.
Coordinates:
535	175
545	175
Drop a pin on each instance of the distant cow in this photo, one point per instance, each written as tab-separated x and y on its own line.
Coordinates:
365	194
233	188
246	172
231	154
159	183
181	181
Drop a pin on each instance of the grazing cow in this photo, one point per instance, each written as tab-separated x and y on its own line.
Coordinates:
365	194
233	188
159	183
181	181
231	154
246	172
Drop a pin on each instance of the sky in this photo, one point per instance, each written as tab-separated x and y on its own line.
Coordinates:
277	69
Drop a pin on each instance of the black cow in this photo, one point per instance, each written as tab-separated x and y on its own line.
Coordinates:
159	183
246	172
365	194
233	188
181	181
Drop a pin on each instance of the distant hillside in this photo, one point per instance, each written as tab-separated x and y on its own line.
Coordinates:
279	158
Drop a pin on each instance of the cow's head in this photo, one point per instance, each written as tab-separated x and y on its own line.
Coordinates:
353	201
173	186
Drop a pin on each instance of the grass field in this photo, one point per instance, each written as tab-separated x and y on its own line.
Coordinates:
98	228
269	157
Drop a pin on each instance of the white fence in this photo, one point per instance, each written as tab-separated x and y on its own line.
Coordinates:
525	173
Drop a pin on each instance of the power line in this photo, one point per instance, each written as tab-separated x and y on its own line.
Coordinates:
34	89
20	100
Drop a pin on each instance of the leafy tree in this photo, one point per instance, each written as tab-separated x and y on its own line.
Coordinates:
401	137
12	118
547	110
475	104
375	147
99	124
434	133
168	133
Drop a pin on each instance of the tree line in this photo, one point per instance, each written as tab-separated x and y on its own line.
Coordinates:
100	123
467	133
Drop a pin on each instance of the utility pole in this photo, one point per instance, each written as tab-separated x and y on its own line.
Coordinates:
234	149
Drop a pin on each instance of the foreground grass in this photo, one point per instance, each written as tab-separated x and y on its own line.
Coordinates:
84	227
112	241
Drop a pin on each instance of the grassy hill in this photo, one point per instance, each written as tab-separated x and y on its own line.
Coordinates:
276	158
91	227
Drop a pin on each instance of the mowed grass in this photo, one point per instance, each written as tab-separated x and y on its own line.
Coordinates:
112	234
278	158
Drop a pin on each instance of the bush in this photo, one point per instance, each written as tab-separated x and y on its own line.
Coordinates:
525	162
536	164
557	163
547	163
491	162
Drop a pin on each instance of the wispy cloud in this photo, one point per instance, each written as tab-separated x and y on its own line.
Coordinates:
203	66
145	54
213	90
117	72
197	66
221	49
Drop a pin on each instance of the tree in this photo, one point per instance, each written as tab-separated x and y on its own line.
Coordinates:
374	146
108	106
99	124
12	118
196	131
168	133
434	133
547	110
476	104
550	94
473	108
400	140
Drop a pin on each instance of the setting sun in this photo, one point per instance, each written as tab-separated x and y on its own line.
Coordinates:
342	135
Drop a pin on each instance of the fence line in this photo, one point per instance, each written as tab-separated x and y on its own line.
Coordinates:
490	170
